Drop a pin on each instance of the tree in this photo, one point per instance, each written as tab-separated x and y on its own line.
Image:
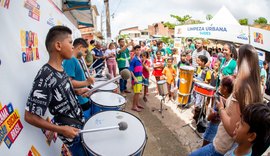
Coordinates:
166	40
260	20
169	25
243	21
209	17
181	20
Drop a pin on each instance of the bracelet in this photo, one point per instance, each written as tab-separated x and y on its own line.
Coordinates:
219	111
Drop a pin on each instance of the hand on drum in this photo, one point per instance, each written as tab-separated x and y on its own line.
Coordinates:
69	132
90	80
82	91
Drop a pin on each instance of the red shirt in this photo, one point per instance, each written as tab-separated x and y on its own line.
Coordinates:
146	73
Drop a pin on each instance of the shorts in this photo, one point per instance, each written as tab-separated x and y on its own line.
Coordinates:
210	132
137	88
146	82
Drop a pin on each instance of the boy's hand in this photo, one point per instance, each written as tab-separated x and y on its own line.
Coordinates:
211	114
90	80
69	132
220	103
135	80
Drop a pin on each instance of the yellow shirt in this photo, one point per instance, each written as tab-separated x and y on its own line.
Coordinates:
170	73
208	74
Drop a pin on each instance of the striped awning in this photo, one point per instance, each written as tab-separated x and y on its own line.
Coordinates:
81	11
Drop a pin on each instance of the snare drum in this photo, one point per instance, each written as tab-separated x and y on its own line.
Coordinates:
100	79
115	142
186	78
204	89
111	87
102	101
162	87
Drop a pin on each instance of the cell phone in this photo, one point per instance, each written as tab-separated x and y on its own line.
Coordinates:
217	96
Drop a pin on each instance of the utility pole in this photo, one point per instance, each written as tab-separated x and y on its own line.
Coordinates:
108	23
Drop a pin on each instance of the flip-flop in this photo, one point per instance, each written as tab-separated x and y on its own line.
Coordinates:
137	110
140	107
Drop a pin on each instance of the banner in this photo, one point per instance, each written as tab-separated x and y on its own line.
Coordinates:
238	34
24	26
260	38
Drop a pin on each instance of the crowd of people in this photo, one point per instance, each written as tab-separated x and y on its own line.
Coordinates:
239	120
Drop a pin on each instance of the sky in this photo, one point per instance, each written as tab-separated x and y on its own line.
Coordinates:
130	13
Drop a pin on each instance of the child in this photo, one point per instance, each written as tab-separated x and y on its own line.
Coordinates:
146	73
136	73
158	66
252	131
225	91
203	75
74	68
214	74
169	73
53	90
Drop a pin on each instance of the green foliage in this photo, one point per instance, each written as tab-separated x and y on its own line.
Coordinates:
166	40
181	20
169	25
243	21
124	36
260	20
209	17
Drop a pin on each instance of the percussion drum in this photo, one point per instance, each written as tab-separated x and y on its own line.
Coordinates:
162	87
111	87
186	78
101	79
115	142
102	101
204	89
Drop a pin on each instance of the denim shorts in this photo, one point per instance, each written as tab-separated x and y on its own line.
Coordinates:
210	131
146	82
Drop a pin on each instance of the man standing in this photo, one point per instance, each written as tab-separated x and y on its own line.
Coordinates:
89	57
199	51
99	56
123	59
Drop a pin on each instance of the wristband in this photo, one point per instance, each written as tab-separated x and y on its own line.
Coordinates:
219	111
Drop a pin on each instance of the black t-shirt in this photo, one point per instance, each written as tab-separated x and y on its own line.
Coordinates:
52	89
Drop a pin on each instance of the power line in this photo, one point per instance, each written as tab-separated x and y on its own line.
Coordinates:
113	14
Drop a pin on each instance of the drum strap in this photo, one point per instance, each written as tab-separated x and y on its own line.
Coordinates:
65	120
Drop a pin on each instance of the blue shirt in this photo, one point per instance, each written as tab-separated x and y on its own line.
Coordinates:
231	152
74	70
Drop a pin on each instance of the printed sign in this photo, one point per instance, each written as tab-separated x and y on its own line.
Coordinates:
10	124
29	44
33	152
50	136
4	3
34	9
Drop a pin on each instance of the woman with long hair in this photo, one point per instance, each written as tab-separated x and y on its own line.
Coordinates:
246	90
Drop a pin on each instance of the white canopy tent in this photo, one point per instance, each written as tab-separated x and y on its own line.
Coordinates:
223	26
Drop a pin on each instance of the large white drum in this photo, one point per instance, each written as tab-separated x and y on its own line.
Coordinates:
103	101
115	142
109	87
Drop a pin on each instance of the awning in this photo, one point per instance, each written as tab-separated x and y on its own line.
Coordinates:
81	11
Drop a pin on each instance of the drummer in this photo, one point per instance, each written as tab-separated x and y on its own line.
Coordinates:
203	75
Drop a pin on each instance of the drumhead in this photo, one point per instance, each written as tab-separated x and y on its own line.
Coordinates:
108	99
186	67
161	82
204	85
114	142
108	87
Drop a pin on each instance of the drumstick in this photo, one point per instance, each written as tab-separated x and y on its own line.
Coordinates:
121	126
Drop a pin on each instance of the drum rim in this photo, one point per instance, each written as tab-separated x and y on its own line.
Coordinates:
108	106
138	151
105	85
161	81
208	86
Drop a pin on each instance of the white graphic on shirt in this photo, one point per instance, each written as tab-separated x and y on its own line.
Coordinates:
57	95
52	82
37	94
59	75
67	86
